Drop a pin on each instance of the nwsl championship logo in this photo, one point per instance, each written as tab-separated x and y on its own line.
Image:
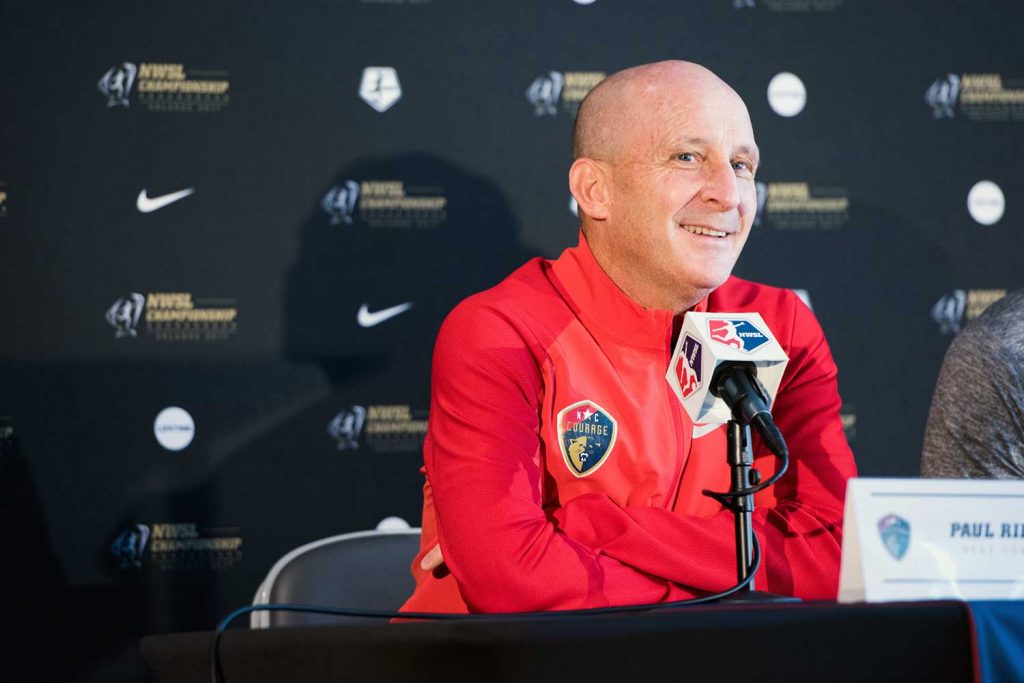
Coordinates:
117	83
942	96
125	313
340	202
545	92
130	545
346	427
562	92
741	335
762	199
948	311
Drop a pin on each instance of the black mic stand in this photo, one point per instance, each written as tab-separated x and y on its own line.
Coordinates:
741	461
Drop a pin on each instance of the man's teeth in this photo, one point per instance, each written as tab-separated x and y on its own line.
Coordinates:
700	230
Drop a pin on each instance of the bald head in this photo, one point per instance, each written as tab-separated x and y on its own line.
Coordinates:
610	111
663	176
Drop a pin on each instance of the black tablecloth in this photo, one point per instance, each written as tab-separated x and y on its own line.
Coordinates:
902	642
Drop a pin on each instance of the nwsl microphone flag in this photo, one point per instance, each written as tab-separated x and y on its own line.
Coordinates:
708	339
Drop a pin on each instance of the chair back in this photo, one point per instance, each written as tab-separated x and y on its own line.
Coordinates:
361	570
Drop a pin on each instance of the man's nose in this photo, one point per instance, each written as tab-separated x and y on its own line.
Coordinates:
720	186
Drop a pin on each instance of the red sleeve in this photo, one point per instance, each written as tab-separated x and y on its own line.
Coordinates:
482	458
800	531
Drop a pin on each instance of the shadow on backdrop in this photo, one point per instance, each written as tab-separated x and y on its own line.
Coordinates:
31	573
872	283
401	239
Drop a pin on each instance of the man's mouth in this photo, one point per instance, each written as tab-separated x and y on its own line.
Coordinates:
702	230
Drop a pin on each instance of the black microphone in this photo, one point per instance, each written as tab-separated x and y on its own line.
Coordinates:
736	383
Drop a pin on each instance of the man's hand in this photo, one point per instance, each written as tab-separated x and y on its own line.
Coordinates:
432	560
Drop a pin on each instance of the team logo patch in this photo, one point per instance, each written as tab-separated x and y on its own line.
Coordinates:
895	533
737	334
586	434
688	366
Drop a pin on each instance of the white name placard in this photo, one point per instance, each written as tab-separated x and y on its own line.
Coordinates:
914	539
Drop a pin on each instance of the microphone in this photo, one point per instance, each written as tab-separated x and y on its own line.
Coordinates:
736	384
729	366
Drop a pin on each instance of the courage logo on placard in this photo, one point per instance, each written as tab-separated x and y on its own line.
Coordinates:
586	435
895	533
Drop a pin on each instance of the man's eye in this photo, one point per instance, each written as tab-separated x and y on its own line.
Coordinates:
743	166
688	157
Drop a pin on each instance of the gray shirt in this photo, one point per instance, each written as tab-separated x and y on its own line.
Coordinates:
976	423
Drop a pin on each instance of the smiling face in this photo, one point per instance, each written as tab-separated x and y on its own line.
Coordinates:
674	195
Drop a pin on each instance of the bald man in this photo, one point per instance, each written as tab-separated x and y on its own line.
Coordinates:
561	471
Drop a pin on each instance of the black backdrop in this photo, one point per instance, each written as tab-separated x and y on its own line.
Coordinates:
238	302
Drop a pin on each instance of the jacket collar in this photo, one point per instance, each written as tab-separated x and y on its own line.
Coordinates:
601	305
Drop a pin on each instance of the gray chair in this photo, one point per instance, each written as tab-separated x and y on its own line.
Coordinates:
366	570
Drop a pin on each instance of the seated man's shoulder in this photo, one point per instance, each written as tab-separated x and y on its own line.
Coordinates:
787	313
521	306
1002	317
741	296
997	332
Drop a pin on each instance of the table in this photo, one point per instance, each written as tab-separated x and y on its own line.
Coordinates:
905	642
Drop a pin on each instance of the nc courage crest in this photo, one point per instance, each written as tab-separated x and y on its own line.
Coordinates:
586	435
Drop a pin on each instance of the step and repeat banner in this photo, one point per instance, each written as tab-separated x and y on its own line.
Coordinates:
230	231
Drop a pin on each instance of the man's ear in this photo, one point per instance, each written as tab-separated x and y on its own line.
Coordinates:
588	182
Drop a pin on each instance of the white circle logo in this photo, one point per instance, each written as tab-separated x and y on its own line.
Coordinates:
985	202
174	428
786	94
392	524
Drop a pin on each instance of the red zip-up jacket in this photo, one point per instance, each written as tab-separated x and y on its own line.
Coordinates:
526	521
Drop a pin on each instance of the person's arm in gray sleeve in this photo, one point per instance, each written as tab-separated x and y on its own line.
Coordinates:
976	423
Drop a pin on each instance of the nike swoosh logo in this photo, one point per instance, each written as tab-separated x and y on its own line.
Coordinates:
149	204
368	319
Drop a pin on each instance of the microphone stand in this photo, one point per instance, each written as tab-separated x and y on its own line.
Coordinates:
740	457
